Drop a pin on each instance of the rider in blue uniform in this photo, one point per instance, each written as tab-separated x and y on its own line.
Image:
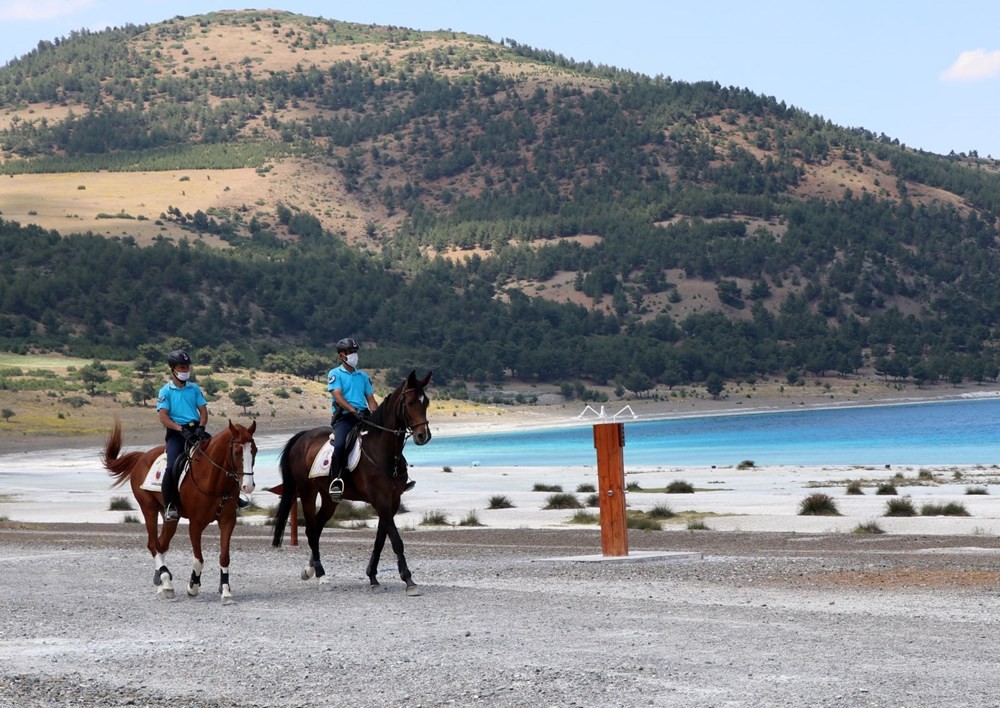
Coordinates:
352	400
183	411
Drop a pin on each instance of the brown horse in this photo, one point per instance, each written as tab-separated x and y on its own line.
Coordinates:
379	478
209	492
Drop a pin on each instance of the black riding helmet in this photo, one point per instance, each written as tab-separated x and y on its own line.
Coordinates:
178	357
347	344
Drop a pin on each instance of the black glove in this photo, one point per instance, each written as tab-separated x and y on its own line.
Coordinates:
187	433
200	433
364	414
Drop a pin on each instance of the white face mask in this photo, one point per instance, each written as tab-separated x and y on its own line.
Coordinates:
182	375
352	359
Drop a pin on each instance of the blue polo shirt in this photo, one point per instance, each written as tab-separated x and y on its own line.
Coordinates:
181	402
355	387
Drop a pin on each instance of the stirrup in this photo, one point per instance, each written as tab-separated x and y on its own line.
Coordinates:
170	513
410	485
243	502
337	489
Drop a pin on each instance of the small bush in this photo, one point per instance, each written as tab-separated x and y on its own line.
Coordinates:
925	475
746	465
447	469
128	519
679	486
499	501
818	505
697	525
471	519
949	509
539	487
434	518
584	517
976	490
120	504
585	488
643	523
563	500
900	507
633	487
661	511
594	500
870	528
886	489
346	511
854	488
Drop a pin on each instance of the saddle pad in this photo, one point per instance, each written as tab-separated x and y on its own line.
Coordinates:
324	458
154	477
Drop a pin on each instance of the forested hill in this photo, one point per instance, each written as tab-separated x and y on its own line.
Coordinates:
260	184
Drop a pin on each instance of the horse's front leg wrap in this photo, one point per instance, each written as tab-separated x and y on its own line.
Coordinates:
224	590
194	585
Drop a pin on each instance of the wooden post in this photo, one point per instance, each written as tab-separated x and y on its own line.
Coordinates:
609	439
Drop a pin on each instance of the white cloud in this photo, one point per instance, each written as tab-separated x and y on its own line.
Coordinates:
974	65
40	9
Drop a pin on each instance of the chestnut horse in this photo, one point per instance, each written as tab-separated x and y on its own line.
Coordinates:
209	492
379	478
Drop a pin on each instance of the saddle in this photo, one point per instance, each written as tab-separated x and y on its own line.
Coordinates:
154	477
323	462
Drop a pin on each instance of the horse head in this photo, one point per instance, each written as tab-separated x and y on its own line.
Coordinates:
413	404
242	454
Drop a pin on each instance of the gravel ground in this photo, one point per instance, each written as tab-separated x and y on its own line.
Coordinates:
759	619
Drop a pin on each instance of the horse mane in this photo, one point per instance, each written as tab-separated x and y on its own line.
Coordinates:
391	401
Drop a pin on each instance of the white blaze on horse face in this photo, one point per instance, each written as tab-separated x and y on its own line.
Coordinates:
248	484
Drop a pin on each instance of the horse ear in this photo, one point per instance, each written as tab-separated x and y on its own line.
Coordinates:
232	428
427	380
253	427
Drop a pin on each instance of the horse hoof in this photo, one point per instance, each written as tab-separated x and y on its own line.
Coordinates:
165	594
325	580
192	591
375	587
308	573
227	599
414	591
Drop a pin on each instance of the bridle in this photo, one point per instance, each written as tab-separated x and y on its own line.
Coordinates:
231	470
406	431
401	433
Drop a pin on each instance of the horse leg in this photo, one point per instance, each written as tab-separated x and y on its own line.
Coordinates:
397	546
372	570
158	543
226	527
195	529
313	531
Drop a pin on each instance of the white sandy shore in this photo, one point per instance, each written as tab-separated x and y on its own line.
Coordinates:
70	485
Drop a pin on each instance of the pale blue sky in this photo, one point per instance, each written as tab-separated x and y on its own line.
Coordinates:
925	72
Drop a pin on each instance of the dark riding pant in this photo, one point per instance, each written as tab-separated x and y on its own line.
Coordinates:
342	426
175	448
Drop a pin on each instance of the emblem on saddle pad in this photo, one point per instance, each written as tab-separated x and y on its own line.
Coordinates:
324	458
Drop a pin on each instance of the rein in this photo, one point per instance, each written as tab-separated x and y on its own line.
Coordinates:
230	472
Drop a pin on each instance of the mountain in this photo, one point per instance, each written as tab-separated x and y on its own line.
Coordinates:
263	183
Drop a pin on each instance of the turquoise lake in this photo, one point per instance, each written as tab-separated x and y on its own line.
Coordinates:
953	432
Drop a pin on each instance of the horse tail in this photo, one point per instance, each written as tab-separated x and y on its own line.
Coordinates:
120	468
288	489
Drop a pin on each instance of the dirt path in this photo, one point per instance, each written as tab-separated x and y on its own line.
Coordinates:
762	619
